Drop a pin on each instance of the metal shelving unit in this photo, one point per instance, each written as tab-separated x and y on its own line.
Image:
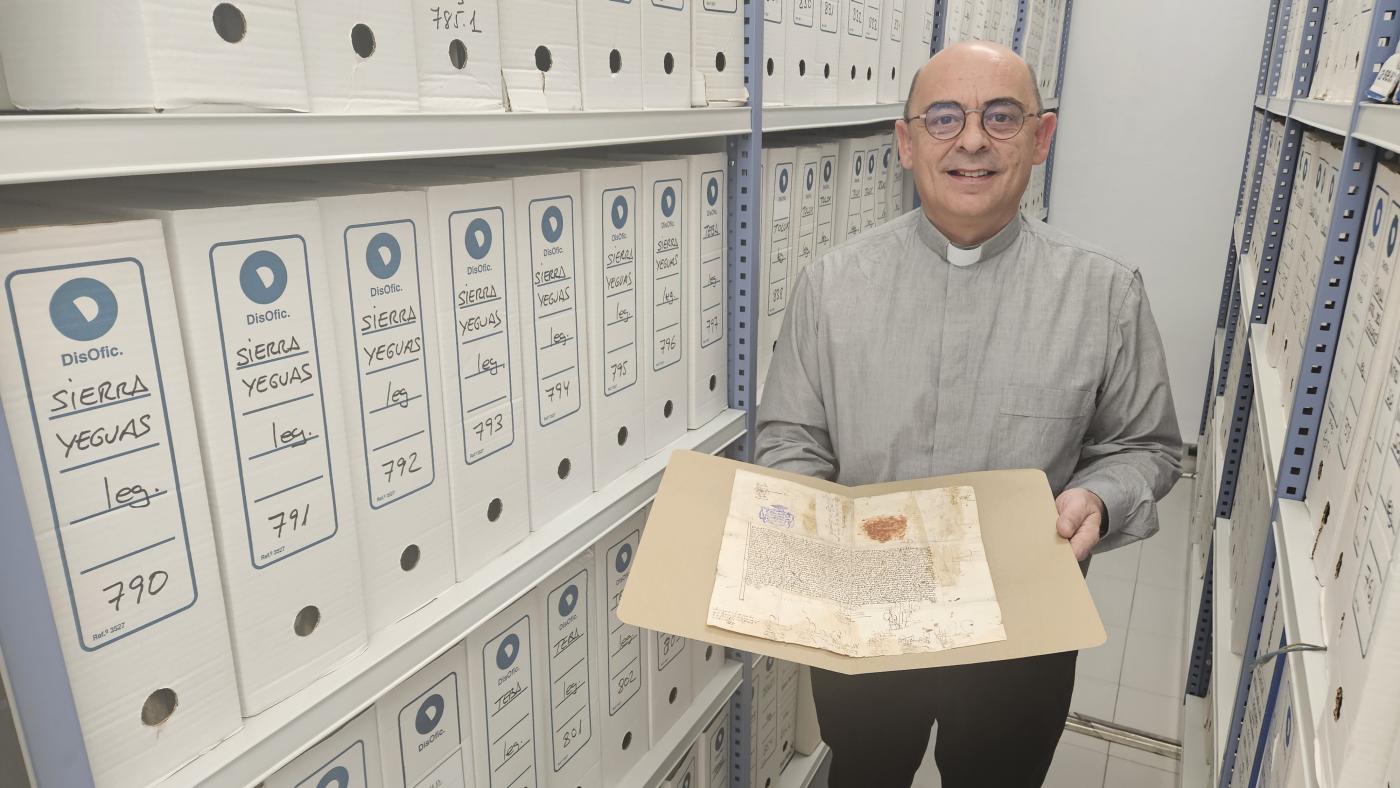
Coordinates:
1287	430
57	147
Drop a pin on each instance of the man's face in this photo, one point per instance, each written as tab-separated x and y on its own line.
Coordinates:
971	185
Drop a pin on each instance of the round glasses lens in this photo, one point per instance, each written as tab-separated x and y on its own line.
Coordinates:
1003	120
944	123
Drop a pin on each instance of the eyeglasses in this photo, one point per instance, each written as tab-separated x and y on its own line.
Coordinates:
1001	120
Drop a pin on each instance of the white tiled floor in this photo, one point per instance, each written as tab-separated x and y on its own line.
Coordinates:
1136	678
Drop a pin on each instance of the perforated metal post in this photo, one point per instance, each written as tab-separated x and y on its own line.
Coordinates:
1227	348
1339	255
940	17
1307	49
1256	621
1274	672
1228	288
1064	49
1277	220
1205	406
1198	671
1234	446
1284	12
1018	38
1262	84
745	176
1256	188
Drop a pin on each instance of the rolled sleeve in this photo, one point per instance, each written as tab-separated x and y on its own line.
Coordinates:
1132	451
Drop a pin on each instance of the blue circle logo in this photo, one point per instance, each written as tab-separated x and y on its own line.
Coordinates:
1390	241
83	309
382	255
619	212
783	181
768	664
508	651
719	740
568	600
887	157
339	777
811	178
712	191
871	165
858	161
1288	728
478	238
1376	217
685	783
552	224
624	558
826	172
263	277
668	201
429	715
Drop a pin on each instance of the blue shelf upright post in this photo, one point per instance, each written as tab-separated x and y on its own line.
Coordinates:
745	176
1251	647
1198	671
1234	447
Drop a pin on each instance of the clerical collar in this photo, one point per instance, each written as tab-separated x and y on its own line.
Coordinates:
961	257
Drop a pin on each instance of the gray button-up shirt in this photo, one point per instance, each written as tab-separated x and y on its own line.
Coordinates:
1035	351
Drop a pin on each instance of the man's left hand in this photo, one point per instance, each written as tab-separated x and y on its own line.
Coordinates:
1081	516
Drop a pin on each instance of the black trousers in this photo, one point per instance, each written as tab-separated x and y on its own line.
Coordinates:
998	722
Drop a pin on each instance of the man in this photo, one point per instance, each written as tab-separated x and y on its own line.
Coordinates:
963	338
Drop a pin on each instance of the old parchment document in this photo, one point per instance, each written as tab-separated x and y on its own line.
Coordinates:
892	574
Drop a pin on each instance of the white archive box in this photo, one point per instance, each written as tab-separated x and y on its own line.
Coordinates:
1369	329
825	64
789	682
894	195
774	62
828	220
886	165
713	748
801	74
458	52
610	54
1260	700
874	31
540	55
686	773
98	402
717	53
665	268
778	189
153	54
1282	763
348	758
471	233
571	693
359	55
505	664
554	348
765	764
385	316
623	660
671	689
423	721
850	185
871	193
1359	721
666	54
853	57
706	662
917	44
249	277
458	771
807	735
611	230
804	224
892	32
706	243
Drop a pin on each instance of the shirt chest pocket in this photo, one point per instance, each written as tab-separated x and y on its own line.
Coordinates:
1041	427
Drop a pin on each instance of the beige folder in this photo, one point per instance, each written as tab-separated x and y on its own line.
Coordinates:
1045	604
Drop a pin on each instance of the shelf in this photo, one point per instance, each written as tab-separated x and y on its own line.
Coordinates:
1329	116
803	769
66	147
1269	404
273	737
1261	102
1195	769
1379	124
795	118
1279	105
1301	598
1225	664
665	754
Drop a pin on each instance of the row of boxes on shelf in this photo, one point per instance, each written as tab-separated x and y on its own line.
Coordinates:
387	56
997	20
835	189
1345	30
847	52
553	690
1352	499
381	377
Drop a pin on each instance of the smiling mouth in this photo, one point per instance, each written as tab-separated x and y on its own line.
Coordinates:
972	176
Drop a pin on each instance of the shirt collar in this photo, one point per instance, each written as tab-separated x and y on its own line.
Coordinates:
963	258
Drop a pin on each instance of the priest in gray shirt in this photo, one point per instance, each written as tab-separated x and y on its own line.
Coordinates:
964	337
